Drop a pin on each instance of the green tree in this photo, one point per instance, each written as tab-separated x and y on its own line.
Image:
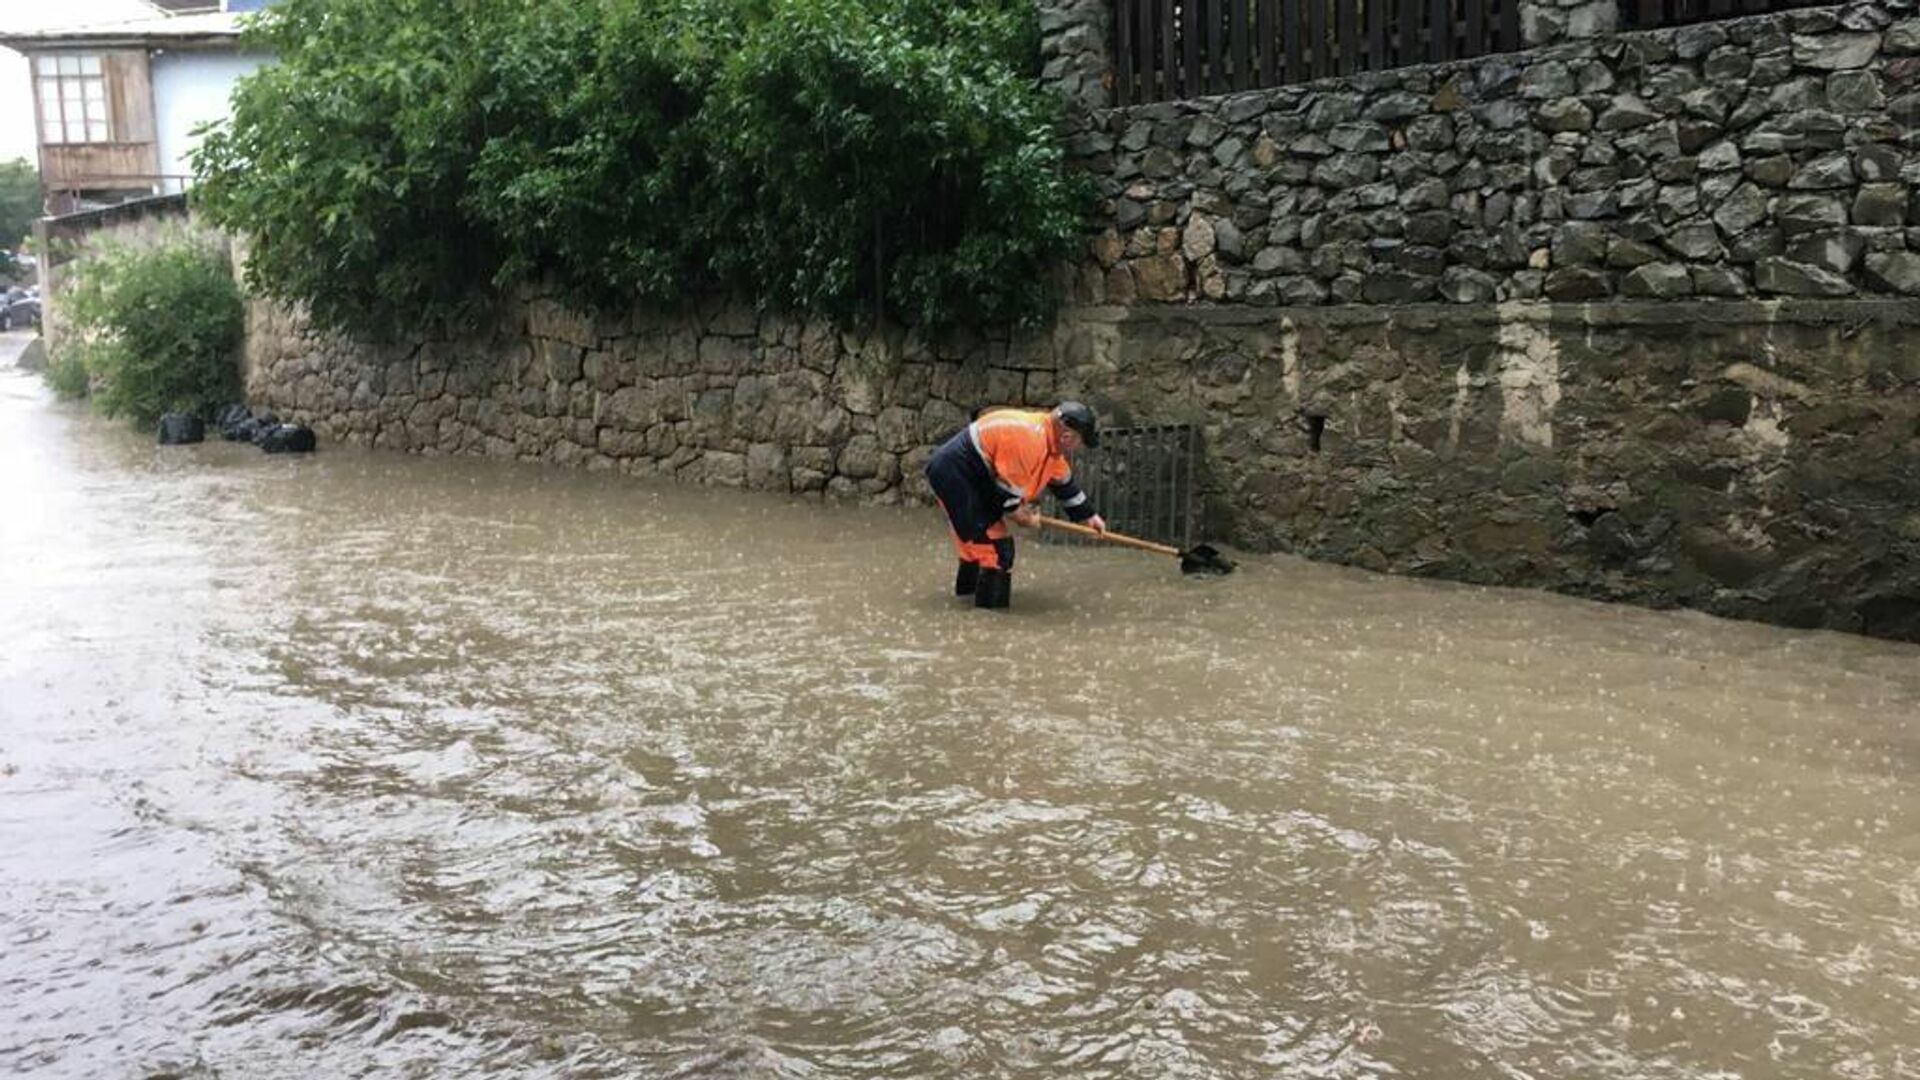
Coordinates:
20	203
406	158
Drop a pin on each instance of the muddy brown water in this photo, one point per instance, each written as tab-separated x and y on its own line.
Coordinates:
374	765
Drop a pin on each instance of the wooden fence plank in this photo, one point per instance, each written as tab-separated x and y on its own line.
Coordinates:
1292	33
1240	30
1179	33
1317	51
1214	64
1123	52
1149	59
1477	43
1409	48
1439	30
1346	19
1374	13
1509	25
1269	42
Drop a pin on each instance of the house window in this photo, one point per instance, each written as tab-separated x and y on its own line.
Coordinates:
73	99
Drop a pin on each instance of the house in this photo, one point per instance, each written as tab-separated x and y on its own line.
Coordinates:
117	103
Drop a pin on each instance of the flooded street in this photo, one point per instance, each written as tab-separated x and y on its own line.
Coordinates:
374	765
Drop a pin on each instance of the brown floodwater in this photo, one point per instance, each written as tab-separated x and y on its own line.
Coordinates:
365	764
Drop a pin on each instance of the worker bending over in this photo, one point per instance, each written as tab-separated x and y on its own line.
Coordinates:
995	468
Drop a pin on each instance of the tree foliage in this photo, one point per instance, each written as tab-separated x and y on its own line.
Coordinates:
406	158
20	204
154	330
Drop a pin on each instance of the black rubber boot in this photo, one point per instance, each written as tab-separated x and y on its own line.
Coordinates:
966	578
995	589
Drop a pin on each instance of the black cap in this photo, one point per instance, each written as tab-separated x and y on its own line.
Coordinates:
1080	419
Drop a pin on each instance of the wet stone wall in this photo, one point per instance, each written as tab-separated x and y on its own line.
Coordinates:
1750	459
1766	156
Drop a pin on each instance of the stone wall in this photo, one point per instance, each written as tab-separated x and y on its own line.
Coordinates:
1759	460
1768	156
1620	317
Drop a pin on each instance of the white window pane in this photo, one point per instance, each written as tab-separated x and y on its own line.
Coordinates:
43	65
76	131
96	112
89	65
97	131
50	131
96	89
50	95
69	65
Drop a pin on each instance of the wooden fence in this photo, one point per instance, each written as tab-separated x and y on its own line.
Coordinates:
1647	14
1165	49
1168	49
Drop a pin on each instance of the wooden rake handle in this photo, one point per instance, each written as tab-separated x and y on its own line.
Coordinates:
1092	533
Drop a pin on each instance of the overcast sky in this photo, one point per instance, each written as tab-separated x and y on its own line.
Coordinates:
16	92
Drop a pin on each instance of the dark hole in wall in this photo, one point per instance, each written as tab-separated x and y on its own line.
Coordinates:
1586	518
1316	426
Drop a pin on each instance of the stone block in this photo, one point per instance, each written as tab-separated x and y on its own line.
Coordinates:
1880	205
1571	284
1721	281
1564	114
1808	213
1835	52
1830	249
1660	281
1788	278
1894	272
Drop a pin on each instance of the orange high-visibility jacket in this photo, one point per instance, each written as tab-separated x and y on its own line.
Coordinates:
1020	449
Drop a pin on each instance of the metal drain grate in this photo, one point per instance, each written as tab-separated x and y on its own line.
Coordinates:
1142	481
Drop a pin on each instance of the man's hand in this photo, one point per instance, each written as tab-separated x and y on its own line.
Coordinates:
1097	523
1026	517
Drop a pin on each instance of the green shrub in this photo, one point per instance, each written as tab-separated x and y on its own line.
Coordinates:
407	159
154	330
67	374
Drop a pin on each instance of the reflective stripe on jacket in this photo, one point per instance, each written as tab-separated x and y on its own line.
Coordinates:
1024	457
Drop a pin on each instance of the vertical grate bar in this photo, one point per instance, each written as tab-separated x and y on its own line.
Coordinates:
1141	479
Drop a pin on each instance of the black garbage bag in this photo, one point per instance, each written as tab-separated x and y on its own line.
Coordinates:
178	429
234	422
263	423
288	439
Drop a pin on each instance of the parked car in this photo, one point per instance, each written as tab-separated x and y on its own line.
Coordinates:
19	308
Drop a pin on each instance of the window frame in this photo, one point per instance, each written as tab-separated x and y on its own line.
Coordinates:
70	88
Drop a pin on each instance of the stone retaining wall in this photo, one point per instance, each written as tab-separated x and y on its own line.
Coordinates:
1759	460
1767	156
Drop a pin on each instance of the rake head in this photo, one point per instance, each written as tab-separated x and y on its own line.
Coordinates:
1205	559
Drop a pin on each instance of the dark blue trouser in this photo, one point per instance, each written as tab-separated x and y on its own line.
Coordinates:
973	502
